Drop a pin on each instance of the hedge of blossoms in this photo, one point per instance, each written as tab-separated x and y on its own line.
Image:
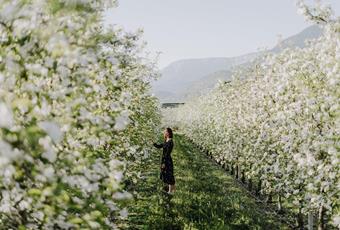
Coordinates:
280	122
74	110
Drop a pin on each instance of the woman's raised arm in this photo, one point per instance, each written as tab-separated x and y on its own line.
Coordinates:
158	145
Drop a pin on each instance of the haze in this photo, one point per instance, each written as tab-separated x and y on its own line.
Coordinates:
182	29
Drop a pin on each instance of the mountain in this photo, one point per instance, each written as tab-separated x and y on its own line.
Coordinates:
206	83
299	39
192	77
179	76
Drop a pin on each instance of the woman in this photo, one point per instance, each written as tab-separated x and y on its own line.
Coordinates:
167	169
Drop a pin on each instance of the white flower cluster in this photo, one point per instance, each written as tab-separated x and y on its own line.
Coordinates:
74	111
279	122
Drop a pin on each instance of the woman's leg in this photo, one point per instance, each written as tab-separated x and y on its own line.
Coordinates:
172	188
165	187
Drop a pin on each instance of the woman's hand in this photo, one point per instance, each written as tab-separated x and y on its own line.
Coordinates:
162	166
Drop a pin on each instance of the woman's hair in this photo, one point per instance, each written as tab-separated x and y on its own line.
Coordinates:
169	130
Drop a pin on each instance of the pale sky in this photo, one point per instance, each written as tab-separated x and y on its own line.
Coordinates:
181	29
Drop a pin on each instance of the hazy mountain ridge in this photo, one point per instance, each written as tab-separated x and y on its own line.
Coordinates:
206	83
299	39
192	77
192	69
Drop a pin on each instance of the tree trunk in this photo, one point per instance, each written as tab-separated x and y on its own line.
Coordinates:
243	178
236	169
250	185
310	220
269	198
300	218
259	184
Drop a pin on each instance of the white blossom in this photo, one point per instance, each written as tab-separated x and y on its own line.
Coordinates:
63	91
52	129
122	121
6	116
49	153
278	120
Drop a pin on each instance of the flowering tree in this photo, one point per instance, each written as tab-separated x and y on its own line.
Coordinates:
74	109
279	121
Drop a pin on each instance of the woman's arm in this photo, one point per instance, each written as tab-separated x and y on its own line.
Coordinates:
159	146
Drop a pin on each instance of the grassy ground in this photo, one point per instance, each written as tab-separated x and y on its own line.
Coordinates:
206	197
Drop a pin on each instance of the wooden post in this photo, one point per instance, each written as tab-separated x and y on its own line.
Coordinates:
279	203
321	214
310	220
310	216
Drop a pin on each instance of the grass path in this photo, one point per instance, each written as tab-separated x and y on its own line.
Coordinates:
206	197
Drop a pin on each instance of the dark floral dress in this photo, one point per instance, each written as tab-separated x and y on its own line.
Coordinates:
167	173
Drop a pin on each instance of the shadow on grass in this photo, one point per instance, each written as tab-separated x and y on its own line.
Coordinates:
206	197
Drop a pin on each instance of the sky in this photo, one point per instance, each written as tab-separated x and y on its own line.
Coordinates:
181	29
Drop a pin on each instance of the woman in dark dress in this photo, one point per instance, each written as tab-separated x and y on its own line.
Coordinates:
167	168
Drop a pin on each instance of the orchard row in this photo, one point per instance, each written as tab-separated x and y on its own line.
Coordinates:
75	115
278	122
